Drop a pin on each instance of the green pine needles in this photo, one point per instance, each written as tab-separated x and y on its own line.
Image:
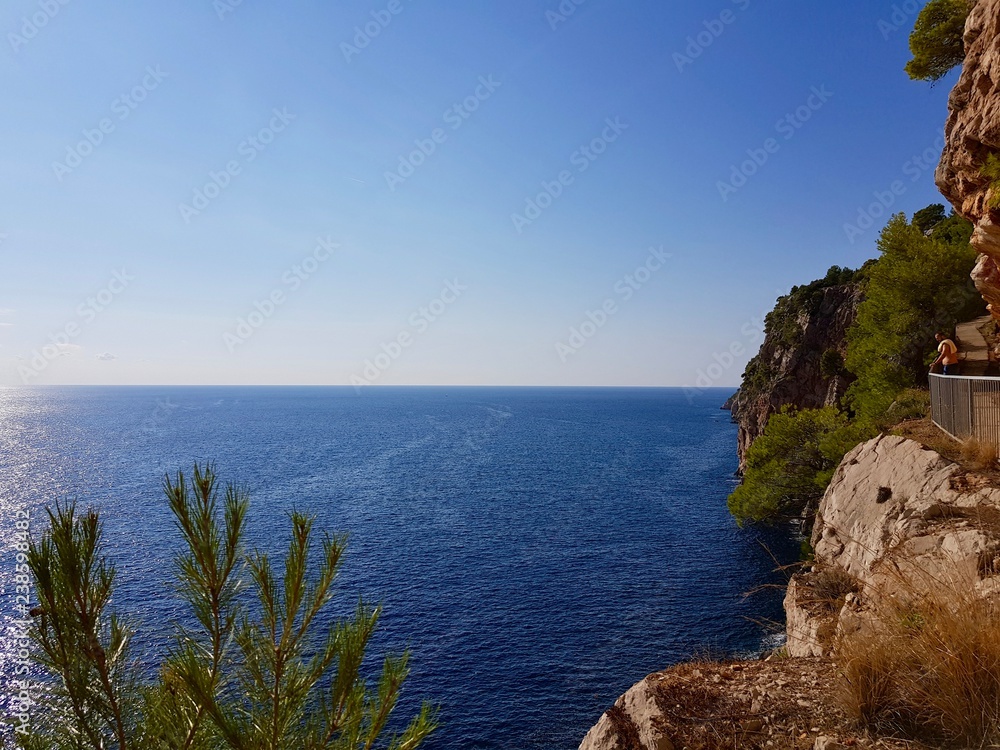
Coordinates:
937	41
262	681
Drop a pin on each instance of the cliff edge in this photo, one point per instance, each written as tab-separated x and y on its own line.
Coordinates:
898	519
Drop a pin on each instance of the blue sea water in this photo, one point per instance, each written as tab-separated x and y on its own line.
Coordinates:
538	550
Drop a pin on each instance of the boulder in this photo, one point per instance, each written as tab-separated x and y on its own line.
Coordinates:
897	520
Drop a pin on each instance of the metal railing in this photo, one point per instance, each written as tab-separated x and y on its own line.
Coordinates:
966	407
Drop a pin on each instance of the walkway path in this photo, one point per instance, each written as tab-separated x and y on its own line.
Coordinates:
974	350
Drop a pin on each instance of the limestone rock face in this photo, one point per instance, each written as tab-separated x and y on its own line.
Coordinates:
808	625
788	368
971	134
630	723
896	516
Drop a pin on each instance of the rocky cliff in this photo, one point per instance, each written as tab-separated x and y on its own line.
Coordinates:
896	518
972	133
801	359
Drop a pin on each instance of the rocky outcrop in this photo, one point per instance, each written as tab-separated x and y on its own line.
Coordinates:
805	341
896	518
971	135
632	721
728	406
754	705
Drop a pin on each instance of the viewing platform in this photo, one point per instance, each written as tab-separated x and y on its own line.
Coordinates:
966	406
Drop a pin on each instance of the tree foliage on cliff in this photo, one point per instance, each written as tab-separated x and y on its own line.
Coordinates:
790	465
927	218
937	39
919	285
243	675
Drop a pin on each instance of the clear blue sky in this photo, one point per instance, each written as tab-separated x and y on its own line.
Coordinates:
398	234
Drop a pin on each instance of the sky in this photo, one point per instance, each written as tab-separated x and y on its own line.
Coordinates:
390	192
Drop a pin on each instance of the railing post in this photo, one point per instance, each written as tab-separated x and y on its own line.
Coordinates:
970	409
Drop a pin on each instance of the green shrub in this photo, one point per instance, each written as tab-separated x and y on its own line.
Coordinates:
790	465
913	403
927	218
831	363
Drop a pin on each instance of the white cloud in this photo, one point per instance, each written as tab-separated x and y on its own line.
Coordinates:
106	357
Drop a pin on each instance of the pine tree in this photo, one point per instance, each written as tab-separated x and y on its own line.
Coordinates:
937	41
919	286
231	679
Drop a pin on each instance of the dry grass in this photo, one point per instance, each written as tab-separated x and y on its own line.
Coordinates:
924	431
929	670
979	455
928	434
830	585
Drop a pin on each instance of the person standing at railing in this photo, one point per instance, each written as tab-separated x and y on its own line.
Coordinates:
947	355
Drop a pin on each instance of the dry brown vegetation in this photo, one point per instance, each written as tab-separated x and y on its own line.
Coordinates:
926	433
829	586
979	455
777	704
929	669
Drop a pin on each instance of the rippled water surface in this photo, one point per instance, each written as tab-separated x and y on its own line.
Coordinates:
538	550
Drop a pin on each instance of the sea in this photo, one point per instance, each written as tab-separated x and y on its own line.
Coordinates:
537	550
